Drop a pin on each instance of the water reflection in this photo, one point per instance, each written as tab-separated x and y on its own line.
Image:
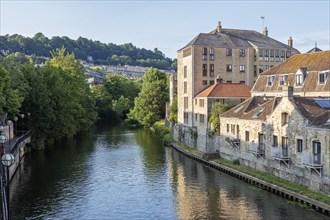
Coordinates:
119	173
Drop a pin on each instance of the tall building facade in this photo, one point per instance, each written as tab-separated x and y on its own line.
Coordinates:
236	56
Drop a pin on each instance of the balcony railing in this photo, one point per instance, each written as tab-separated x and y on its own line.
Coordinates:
280	152
312	162
257	150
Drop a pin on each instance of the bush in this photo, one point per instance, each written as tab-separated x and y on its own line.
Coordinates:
162	131
236	162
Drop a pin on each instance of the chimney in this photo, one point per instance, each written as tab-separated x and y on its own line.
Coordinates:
266	31
219	27
290	42
288	91
218	80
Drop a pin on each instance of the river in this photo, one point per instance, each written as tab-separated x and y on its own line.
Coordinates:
120	173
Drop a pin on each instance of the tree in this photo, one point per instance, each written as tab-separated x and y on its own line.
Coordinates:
217	109
149	106
174	110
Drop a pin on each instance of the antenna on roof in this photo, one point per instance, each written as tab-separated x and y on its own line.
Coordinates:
263	21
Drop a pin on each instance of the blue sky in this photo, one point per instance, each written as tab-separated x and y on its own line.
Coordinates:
167	25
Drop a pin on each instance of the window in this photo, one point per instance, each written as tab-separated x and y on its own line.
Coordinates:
185	117
284	118
242	52
211	82
255	70
201	103
261	68
228	52
242	68
233	129
277	55
204	53
185	71
275	141
323	76
229	68
211	70
185	102
195	101
228	81
288	54
247	136
282	55
266	55
196	116
204	69
271	55
243	82
270	80
284	142
185	87
299	145
261	55
266	67
316	152
227	128
211	53
299	79
204	82
283	79
242	100
201	118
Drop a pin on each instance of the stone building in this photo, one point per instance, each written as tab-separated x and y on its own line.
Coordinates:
237	56
284	128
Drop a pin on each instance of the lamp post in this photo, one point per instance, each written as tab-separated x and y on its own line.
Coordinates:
15	129
3	139
7	160
22	116
9	123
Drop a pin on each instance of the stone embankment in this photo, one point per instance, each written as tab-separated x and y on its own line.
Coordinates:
290	195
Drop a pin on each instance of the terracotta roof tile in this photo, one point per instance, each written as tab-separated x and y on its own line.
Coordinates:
226	90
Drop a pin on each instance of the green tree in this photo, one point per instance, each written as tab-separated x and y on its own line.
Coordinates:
174	110
149	106
217	109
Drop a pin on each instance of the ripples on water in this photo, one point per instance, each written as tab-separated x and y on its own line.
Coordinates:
116	173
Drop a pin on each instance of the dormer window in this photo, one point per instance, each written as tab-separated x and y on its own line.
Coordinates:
323	76
270	80
301	76
283	79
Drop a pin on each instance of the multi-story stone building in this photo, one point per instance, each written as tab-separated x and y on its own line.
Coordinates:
284	129
236	56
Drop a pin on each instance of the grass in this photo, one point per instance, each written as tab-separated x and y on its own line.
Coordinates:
303	190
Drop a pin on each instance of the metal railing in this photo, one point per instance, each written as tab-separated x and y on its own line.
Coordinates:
258	148
312	160
279	152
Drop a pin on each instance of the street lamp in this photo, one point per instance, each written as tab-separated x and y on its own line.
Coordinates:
15	129
3	139
9	123
22	116
7	160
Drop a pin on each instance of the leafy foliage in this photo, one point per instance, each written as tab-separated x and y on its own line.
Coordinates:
217	109
149	106
101	53
174	110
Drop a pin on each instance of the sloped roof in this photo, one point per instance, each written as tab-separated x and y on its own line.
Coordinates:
232	38
226	90
314	62
255	108
315	49
317	116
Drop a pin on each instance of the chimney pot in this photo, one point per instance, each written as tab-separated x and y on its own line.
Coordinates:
219	27
266	31
290	42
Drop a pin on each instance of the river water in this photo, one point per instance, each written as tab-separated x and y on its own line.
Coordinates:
119	173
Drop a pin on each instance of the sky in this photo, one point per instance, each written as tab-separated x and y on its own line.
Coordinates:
167	25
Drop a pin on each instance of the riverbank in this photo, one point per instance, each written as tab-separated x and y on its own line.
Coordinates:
294	192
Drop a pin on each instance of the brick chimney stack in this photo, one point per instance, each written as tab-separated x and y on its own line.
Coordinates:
266	31
288	91
290	42
219	27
